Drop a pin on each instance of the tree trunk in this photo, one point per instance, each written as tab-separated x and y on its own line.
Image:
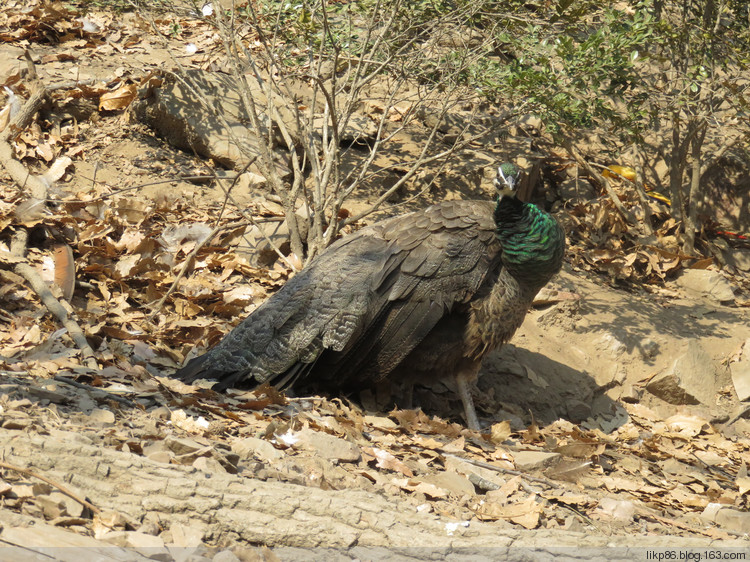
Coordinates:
694	199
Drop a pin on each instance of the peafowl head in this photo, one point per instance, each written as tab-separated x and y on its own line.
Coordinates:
506	182
533	242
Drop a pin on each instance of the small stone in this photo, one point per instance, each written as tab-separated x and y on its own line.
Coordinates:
161	413
451	481
184	536
691	380
251	448
182	445
482	478
740	370
160	456
529	460
208	464
84	403
610	344
22	491
51	537
71	506
155	447
51	508
49	394
16	423
329	446
100	416
618	510
132	539
251	182
739	258
381	422
706	283
726	518
630	394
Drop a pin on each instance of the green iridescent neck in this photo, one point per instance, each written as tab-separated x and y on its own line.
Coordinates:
532	241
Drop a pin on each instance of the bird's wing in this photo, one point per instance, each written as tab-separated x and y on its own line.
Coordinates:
321	307
436	259
371	296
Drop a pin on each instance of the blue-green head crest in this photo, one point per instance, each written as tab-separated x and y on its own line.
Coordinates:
507	179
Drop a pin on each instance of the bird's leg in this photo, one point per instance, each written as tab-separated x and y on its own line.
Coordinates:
464	378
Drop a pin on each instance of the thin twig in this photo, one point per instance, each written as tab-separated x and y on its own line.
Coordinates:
54	483
741	414
266	238
93	389
711	532
40	287
133	187
185	266
586	165
481	464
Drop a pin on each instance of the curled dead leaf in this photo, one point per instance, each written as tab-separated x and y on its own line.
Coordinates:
500	432
119	98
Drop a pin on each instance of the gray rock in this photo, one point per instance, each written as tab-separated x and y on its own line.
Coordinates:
693	378
102	417
176	112
578	410
71	506
51	507
41	534
256	244
251	183
158	451
706	283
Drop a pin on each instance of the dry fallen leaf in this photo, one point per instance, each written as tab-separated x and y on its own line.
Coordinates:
500	432
581	450
119	98
429	490
384	459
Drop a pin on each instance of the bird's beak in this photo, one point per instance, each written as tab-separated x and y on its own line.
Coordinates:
506	186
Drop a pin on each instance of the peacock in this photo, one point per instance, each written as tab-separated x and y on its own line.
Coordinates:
429	293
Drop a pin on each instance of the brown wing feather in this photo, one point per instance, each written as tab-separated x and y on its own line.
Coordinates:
364	304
